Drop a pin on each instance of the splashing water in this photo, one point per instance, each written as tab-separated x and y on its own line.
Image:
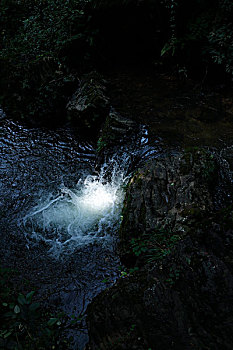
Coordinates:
88	213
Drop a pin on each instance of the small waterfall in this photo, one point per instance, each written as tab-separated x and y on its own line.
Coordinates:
87	213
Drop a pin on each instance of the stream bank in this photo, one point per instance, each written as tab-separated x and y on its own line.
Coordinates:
176	233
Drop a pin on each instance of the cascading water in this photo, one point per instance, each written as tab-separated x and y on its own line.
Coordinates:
58	219
87	213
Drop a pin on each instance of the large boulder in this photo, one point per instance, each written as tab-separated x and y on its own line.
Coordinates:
184	302
181	297
171	192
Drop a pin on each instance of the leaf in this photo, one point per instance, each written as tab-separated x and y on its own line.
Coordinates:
21	299
132	327
34	306
30	295
105	280
52	321
166	48
7	334
124	273
16	309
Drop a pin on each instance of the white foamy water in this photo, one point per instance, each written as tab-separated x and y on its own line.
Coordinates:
86	213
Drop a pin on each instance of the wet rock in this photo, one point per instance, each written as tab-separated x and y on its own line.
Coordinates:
117	130
171	192
182	296
184	302
89	106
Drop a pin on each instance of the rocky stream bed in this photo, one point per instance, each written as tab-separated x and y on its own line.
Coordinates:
173	235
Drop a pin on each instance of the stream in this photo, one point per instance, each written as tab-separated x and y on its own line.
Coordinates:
59	216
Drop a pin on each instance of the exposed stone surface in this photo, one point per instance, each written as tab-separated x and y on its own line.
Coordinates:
117	130
89	106
185	302
184	299
170	192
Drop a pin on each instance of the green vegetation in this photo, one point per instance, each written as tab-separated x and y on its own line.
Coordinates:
47	44
24	325
101	144
173	276
200	32
155	245
35	39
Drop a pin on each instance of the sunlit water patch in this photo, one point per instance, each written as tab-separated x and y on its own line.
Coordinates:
87	213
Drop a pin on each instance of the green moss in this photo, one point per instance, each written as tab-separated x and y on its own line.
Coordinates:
107	137
138	179
101	144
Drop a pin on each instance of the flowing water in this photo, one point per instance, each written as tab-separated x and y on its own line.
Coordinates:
86	212
59	217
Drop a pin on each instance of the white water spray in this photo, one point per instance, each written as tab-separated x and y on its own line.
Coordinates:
85	214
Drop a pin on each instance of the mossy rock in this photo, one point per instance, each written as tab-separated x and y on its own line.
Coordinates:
89	105
182	302
117	130
173	192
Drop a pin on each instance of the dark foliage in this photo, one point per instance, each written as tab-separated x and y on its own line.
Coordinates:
24	325
36	75
46	44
